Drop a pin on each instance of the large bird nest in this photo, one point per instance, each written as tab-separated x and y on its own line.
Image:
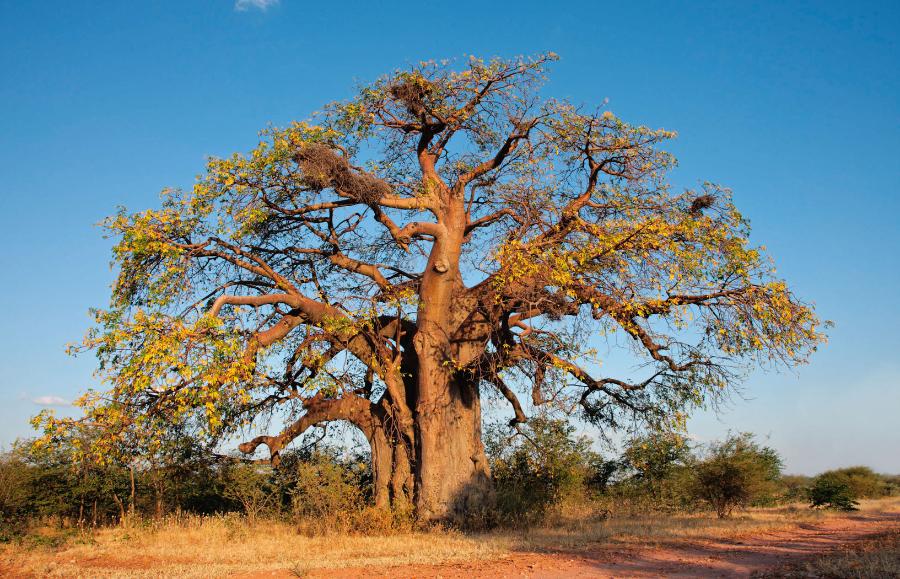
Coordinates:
702	202
412	93
324	168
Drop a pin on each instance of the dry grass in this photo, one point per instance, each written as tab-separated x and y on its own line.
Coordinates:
874	558
218	546
575	531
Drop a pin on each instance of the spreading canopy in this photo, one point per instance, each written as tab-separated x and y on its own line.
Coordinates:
447	218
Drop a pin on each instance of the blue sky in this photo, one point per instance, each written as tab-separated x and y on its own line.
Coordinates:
796	107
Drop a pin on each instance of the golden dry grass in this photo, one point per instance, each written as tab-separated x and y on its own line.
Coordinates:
226	545
656	529
875	558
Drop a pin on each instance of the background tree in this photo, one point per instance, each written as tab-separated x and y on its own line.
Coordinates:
862	480
737	472
449	230
656	465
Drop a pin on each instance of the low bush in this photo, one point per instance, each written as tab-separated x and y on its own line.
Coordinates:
864	483
793	488
832	491
655	473
250	485
325	495
538	468
736	473
543	473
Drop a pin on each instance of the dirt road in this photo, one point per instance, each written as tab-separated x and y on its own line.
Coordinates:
707	558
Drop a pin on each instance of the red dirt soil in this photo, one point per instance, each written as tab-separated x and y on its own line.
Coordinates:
729	557
703	558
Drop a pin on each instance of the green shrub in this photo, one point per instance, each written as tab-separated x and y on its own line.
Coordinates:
862	480
15	495
537	469
793	488
832	491
891	485
250	485
655	472
737	472
15	485
326	495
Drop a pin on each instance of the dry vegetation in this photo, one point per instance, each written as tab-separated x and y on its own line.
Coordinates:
197	546
875	558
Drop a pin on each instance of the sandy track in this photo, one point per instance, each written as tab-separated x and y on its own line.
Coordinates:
706	558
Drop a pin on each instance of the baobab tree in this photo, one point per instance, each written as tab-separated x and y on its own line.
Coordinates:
446	234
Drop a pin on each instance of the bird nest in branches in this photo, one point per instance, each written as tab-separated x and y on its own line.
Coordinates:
323	168
412	94
702	202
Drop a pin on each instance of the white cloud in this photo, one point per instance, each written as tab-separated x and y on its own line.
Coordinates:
244	5
50	401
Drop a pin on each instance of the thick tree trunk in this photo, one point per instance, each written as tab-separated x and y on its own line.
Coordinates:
452	473
391	470
401	477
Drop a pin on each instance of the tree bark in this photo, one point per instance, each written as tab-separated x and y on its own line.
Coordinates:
391	466
382	459
452	473
131	503
122	518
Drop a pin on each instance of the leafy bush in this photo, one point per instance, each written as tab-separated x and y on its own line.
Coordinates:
250	485
325	489
544	469
326	495
793	488
78	491
537	469
15	495
831	490
862	480
655	472
840	488
737	472
891	485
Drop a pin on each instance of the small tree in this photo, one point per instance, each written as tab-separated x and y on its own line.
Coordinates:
832	491
250	485
656	465
737	472
15	492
